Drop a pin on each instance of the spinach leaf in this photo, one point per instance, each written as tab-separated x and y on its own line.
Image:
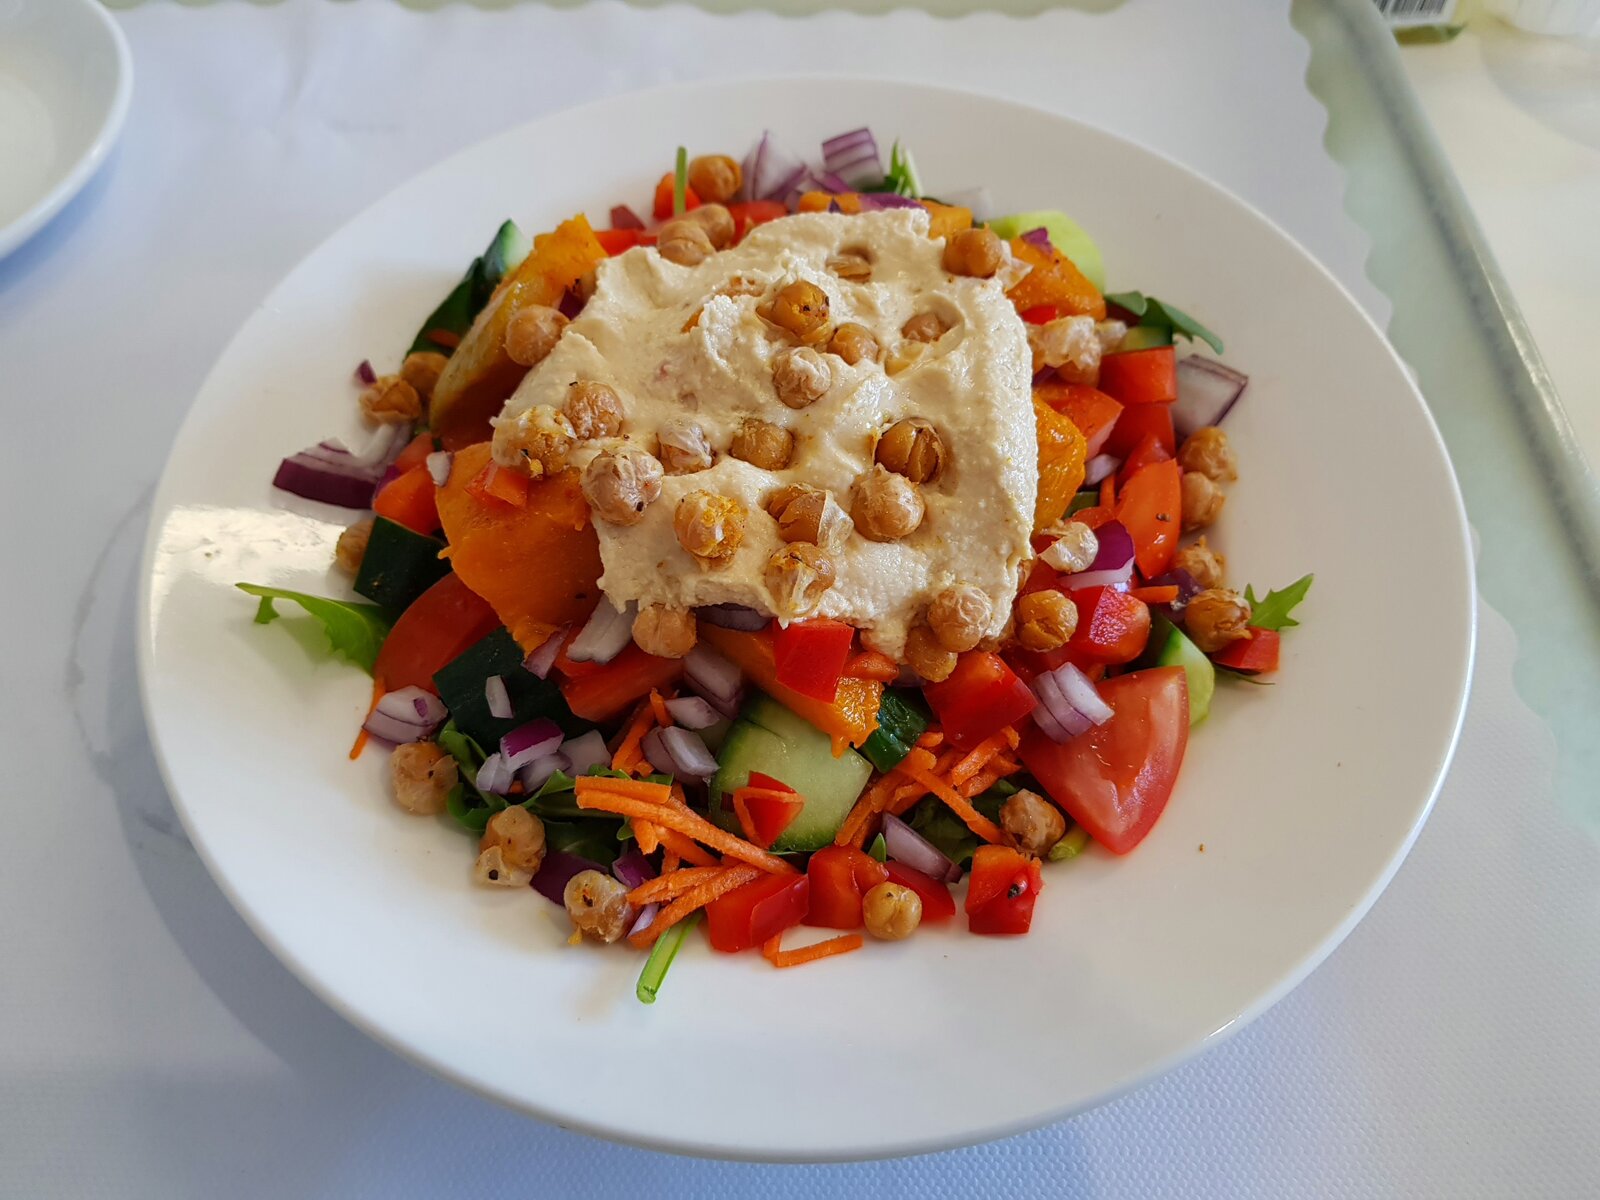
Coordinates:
1161	315
1272	610
470	808
949	832
355	631
594	840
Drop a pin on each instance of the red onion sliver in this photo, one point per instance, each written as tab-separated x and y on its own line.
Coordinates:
1079	691
494	776
733	616
1099	468
498	699
1114	547
646	915
711	675
905	845
438	464
313	480
1067	718
605	634
538	738
692	712
686	751
557	871
365	373
632	868
1207	391
406	715
541	660
537	773
1039	239
1120	577
585	751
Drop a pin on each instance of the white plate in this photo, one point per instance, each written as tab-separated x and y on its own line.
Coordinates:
65	80
1306	795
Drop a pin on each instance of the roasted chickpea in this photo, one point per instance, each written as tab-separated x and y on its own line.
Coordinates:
1202	501
798	575
351	547
422	775
598	905
886	506
620	484
927	656
1073	550
976	252
1110	334
924	327
1206	452
422	369
391	401
852	265
891	911
520	836
911	447
801	308
491	868
959	615
1216	617
1033	823
853	343
1201	561
715	177
536	440
903	357
808	514
800	376
709	527
684	242
716	221
664	632
682	447
1070	345
594	410
762	444
1046	620
532	333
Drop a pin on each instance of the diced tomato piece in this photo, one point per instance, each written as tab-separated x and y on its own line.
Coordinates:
615	241
1041	578
750	213
765	813
982	696
1090	409
415	454
872	664
1139	421
810	656
433	631
1254	655
1041	314
937	903
1001	894
1115	779
1113	626
840	876
611	687
1148	452
1150	507
663	205
1141	376
748	916
408	499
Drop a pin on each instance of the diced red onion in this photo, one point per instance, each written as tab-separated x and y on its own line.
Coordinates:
789	185
1040	239
537	773
571	303
623	217
538	738
1188	588
365	373
407	715
1207	390
438	464
1061	721
853	155
1112	565
313	480
646	915
542	659
557	871
494	776
692	712
498	699
585	751
1099	468
605	634
632	868
769	172
715	678
905	845
1079	691
831	182
679	752
878	201
733	616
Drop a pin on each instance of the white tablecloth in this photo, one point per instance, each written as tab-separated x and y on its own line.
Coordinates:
149	1046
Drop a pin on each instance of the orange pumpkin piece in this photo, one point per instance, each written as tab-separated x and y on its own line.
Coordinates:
1062	454
537	564
1056	281
947	219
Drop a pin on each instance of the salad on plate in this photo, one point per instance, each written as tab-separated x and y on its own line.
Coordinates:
789	558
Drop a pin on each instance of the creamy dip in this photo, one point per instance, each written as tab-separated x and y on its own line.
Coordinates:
973	384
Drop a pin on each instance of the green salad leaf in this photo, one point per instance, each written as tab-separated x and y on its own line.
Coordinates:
594	840
1161	315
879	849
355	631
901	177
948	832
1272	610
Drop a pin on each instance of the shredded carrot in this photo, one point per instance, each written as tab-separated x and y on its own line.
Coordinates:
770	948
979	757
871	802
647	835
670	886
669	861
1013	738
360	743
632	789
954	800
444	337
1108	491
691	901
794	958
933	737
658	706
1155	595
684	820
673	842
628	756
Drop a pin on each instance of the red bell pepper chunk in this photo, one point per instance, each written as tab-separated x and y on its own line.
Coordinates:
1148	452
615	241
840	876
750	915
1091	410
1041	314
1253	655
1141	376
1139	421
982	696
609	688
1150	507
750	213
765	813
663	205
433	631
408	499
1113	626
415	454
1002	891
759	779
937	903
810	656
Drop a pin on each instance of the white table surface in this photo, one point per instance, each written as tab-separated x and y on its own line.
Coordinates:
1519	117
149	1046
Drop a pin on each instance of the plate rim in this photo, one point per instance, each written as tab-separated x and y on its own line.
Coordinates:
1287	980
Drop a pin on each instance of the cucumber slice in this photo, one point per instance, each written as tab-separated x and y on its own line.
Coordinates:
460	683
457	311
1146	337
769	738
1172	648
1065	234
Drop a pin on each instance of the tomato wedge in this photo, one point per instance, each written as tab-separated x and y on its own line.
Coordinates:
1141	376
749	915
439	625
1139	421
840	876
982	696
1147	452
750	213
407	500
1116	779
937	903
1002	891
1253	655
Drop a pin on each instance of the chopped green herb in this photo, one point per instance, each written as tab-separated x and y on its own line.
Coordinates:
1074	844
1272	610
1161	315
355	631
879	849
661	956
1083	500
901	178
680	183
